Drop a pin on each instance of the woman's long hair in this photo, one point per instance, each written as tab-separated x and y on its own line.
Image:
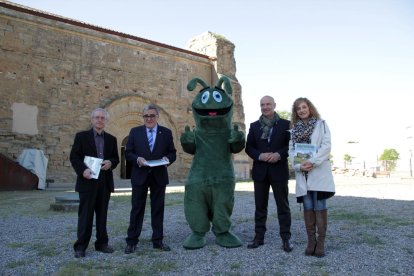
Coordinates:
313	112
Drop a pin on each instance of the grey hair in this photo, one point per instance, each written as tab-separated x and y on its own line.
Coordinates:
150	106
101	110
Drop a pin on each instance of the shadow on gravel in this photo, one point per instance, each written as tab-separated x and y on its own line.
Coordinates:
365	236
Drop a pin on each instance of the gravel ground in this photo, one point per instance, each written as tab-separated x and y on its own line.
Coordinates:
370	232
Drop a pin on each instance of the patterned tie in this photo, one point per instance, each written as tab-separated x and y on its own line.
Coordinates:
151	139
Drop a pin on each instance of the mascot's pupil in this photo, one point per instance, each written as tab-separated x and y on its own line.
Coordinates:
205	96
217	96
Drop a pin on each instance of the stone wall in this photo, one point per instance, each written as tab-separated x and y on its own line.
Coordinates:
63	69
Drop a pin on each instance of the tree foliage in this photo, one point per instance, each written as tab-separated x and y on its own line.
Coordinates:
347	159
390	155
285	115
389	158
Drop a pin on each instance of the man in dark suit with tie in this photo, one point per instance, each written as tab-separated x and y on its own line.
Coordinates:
267	144
145	143
94	193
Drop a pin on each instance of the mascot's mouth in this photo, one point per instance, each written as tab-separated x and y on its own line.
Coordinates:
212	112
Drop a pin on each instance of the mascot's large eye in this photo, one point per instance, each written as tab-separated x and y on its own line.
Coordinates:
205	96
217	96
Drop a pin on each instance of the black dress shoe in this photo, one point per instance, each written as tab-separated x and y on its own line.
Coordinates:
79	254
161	246
287	246
130	249
105	249
255	244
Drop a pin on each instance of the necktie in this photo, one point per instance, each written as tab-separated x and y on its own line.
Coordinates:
151	139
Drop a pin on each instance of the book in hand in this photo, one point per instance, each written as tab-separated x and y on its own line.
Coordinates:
303	152
94	164
155	163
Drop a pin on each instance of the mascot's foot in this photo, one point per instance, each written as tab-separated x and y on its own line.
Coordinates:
228	240
194	241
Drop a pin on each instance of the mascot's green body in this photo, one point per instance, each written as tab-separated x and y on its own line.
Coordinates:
209	191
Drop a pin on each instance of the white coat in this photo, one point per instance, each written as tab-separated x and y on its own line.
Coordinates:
320	178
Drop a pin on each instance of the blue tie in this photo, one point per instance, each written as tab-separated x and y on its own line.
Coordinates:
151	139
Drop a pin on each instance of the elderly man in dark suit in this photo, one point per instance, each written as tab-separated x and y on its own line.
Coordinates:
94	193
145	143
267	144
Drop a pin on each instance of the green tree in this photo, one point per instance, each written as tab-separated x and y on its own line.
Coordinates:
347	159
389	159
285	114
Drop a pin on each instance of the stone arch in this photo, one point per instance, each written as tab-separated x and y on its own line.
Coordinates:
125	113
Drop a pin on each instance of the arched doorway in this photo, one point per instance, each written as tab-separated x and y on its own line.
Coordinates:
126	166
125	113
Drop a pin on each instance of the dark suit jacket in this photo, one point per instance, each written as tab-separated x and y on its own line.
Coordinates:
84	145
279	142
137	146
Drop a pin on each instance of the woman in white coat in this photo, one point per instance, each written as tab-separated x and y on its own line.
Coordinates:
314	180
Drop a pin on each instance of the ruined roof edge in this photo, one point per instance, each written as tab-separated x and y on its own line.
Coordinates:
24	9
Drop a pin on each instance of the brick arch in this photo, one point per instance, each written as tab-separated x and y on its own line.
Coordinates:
125	113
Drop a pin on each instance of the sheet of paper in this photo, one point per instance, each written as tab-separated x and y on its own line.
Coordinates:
94	164
155	163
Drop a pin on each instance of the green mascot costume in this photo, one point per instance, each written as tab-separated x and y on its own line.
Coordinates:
209	190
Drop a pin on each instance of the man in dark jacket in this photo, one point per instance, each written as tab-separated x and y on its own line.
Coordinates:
147	143
268	144
94	185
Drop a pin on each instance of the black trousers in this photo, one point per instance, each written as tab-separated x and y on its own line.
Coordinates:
138	202
261	198
90	203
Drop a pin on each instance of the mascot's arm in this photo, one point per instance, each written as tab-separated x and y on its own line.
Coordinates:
188	141
237	140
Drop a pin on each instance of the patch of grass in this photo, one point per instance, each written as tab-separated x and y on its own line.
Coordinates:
235	266
148	252
243	220
136	269
409	250
44	249
121	198
398	222
16	244
174	203
393	270
319	266
371	240
319	263
213	251
85	268
18	263
373	221
357	217
26	203
163	266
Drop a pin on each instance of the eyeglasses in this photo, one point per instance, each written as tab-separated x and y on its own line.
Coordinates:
99	117
147	116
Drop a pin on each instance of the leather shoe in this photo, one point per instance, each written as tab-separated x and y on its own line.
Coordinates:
255	244
161	246
130	249
287	246
105	249
79	254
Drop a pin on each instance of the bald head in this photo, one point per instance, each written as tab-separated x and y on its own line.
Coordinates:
267	106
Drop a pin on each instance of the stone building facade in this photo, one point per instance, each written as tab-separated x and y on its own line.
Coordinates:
54	71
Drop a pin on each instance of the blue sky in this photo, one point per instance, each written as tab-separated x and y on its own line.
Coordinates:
353	58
